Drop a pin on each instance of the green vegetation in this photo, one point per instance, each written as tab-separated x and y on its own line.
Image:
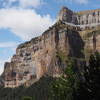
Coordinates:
38	91
63	88
62	55
89	89
67	87
26	98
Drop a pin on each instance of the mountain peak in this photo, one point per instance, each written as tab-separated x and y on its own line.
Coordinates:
65	14
89	17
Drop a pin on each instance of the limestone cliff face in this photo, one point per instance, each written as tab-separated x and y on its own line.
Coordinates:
80	18
89	22
91	38
47	54
89	17
67	15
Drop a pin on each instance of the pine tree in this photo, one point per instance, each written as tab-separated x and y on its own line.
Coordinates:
90	89
92	76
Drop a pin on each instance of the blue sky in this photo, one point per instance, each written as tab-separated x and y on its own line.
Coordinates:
21	20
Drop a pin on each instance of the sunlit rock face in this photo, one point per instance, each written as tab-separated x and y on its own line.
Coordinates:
91	38
79	18
89	17
67	15
47	54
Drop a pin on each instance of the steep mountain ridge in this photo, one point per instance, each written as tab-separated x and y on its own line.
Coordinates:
80	18
45	55
48	54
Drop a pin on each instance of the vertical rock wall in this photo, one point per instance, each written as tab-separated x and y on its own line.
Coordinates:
47	54
79	18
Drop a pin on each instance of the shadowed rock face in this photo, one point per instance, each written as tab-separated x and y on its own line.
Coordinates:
47	54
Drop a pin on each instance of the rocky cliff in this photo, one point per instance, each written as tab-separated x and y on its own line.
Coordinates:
91	38
48	54
79	18
89	27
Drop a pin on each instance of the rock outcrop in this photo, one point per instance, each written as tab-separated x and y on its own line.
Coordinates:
44	55
89	17
91	38
79	18
66	15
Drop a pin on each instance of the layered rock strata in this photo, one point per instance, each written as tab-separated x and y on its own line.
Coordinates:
49	53
44	55
79	18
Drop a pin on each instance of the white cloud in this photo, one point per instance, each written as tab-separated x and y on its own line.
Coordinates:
1	66
8	44
2	62
25	23
77	1
23	3
29	3
82	1
5	46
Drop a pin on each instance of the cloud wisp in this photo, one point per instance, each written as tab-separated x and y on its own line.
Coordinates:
82	1
1	66
8	44
76	1
21	3
2	62
4	49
